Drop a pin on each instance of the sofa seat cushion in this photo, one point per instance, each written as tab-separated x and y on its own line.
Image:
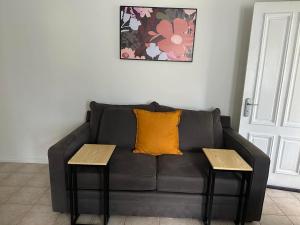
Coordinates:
132	172
128	172
187	173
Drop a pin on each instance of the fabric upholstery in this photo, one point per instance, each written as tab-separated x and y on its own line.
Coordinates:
118	127
162	108
157	132
159	204
188	174
170	190
97	110
225	121
217	128
96	114
128	171
197	128
260	163
58	155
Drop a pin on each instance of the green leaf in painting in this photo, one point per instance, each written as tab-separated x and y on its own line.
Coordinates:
174	13
161	16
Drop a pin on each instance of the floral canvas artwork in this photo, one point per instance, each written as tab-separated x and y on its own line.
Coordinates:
160	34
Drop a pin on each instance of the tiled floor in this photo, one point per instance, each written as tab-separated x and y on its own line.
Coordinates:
25	199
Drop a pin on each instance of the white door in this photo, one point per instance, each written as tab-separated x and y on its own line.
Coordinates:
270	115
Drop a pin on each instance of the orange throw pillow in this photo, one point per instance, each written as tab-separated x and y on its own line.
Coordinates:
157	132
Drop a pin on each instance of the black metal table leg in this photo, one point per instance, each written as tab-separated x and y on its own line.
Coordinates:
71	194
75	192
241	199
222	161
101	181
245	206
102	166
105	197
211	197
207	196
73	188
107	182
105	172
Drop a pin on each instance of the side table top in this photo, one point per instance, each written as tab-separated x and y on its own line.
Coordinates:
92	154
226	159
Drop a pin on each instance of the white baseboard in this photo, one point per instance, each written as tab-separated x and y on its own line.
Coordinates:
25	160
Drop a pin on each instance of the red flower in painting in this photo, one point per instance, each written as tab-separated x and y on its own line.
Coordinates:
177	36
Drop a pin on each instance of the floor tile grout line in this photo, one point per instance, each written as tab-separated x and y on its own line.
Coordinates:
281	207
42	195
277	207
290	220
19	222
284	214
296	196
10	195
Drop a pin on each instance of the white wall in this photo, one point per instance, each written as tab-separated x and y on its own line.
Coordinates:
57	55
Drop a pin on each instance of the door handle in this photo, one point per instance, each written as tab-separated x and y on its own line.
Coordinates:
248	106
247	103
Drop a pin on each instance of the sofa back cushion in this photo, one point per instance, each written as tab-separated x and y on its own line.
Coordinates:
218	129
97	110
198	128
118	126
96	114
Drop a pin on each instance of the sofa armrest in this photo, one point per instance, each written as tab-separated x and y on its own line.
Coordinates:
260	163
58	155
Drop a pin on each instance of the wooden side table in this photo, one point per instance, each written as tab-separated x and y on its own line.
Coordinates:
90	155
225	160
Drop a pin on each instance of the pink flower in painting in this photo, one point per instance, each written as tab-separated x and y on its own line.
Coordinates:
127	53
172	56
144	11
189	11
177	38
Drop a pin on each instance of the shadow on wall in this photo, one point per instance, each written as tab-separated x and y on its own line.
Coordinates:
240	64
237	37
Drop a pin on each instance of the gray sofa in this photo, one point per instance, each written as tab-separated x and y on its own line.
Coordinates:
167	185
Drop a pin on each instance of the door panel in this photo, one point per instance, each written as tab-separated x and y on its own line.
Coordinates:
274	44
288	160
272	86
263	141
292	109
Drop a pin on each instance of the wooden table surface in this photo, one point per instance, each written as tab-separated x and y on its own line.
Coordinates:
92	154
226	159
